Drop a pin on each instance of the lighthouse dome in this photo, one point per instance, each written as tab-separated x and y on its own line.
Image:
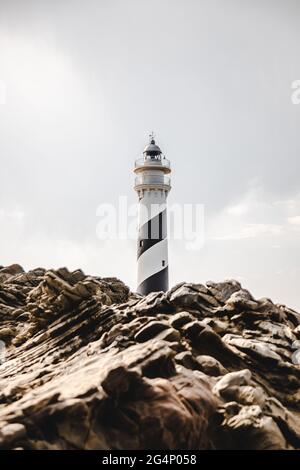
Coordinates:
152	149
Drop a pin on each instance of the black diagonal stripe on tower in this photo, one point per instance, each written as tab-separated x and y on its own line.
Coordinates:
151	228
151	232
155	283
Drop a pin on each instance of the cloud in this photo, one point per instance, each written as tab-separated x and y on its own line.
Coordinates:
295	221
238	209
256	216
289	205
253	231
12	215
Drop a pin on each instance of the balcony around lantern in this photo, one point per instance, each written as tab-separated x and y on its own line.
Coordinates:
148	162
152	181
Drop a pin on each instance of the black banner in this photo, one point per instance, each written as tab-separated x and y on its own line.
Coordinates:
135	459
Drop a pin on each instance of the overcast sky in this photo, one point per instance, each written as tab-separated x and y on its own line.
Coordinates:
82	85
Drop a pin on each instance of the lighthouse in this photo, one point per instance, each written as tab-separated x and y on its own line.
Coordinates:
152	186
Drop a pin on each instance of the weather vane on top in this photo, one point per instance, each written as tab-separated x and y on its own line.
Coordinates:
152	136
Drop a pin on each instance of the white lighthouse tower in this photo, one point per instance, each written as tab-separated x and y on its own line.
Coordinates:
152	186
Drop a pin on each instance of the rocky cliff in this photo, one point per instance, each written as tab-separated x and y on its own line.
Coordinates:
86	364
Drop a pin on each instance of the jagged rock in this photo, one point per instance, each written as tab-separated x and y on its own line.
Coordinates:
150	331
296	357
193	329
210	366
180	319
6	333
232	379
259	348
90	365
10	271
169	335
187	359
11	432
297	331
251	429
235	386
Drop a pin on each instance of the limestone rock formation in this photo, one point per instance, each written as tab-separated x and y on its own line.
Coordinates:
86	364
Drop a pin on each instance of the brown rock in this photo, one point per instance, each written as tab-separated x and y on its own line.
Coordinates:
150	331
89	365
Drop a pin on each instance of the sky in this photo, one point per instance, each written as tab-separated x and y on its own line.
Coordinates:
82	84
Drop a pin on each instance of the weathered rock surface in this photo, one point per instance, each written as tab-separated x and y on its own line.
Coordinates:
88	365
